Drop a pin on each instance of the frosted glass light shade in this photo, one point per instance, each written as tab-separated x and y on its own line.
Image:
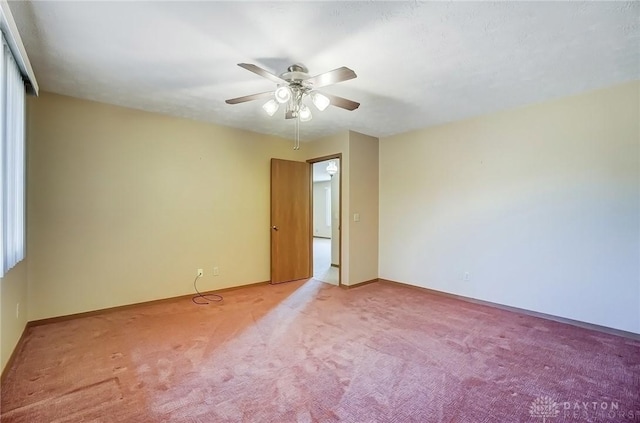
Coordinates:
283	94
271	107
332	169
305	113
320	101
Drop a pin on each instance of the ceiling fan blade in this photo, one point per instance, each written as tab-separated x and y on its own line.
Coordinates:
289	114
331	77
342	102
249	97
265	74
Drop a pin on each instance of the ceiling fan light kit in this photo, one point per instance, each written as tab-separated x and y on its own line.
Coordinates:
271	107
294	86
320	101
305	113
283	94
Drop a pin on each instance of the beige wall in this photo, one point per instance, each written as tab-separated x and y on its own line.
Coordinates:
540	205
363	201
13	291
124	205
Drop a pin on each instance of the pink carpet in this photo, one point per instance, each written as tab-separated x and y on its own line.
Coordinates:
313	352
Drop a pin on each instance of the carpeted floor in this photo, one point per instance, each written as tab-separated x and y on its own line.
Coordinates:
310	351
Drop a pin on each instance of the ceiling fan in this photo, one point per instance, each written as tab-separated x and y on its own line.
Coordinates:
293	86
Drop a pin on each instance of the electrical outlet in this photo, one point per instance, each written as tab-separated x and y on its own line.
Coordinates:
216	271
200	273
18	311
467	276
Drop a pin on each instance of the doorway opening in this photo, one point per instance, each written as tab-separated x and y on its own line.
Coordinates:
326	184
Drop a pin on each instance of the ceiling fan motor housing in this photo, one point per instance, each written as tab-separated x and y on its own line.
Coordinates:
295	74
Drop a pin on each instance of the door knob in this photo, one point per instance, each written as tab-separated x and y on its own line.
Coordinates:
275	228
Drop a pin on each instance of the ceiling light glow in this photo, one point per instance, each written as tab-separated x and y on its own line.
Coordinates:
332	168
271	107
320	101
305	113
283	94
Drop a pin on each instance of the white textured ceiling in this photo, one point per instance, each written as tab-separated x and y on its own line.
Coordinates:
418	64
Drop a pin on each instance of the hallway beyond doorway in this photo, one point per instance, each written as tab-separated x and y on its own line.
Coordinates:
322	269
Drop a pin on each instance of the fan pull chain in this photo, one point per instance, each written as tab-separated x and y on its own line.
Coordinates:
296	144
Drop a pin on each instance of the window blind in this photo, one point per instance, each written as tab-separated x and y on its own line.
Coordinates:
12	162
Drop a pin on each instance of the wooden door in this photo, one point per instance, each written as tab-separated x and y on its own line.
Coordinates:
290	221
